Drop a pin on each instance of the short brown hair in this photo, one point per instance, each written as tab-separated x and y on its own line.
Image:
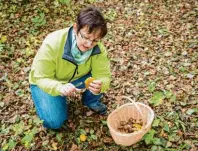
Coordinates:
92	17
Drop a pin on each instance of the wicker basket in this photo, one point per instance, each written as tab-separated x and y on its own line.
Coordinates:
135	110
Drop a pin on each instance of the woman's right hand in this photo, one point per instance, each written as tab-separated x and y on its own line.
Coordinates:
68	89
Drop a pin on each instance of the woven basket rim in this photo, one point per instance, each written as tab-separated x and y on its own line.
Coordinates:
136	132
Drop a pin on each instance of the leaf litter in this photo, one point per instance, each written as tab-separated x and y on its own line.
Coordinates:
153	51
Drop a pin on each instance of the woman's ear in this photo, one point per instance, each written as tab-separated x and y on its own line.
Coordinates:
75	28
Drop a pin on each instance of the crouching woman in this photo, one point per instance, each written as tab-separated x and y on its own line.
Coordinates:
64	61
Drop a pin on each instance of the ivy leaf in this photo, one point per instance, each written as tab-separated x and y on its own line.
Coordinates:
157	98
27	139
2	47
91	131
157	141
11	144
190	111
94	137
154	148
59	137
148	138
156	122
151	86
104	122
82	131
4	129
37	121
5	147
18	128
168	93
166	128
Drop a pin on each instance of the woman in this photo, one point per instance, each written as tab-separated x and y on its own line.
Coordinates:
64	61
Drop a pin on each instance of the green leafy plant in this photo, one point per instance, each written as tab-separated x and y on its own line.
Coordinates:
92	136
159	96
149	137
10	145
29	135
39	20
111	14
2	47
104	122
19	128
151	86
64	1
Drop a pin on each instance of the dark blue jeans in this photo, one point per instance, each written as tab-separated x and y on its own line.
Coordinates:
53	110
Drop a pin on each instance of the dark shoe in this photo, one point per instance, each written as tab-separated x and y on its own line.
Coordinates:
98	107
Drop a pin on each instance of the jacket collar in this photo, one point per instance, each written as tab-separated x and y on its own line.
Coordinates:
67	48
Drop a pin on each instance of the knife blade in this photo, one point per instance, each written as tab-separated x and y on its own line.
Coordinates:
78	84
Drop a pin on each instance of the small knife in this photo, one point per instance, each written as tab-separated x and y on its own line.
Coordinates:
78	84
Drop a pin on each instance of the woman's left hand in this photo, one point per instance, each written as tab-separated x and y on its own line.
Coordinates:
95	86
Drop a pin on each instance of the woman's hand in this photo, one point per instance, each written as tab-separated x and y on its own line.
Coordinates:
95	86
68	89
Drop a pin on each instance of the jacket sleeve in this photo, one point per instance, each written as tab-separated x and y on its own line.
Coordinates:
101	68
44	70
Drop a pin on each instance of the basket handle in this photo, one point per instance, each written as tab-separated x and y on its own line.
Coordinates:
138	108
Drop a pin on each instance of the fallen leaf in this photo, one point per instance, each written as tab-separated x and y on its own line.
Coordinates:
157	98
54	146
74	148
107	140
3	39
89	113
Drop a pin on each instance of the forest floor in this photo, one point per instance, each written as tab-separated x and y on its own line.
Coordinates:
153	48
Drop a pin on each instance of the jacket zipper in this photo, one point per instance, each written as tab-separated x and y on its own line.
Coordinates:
76	70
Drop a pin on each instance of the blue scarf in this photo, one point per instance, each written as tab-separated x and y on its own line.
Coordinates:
79	57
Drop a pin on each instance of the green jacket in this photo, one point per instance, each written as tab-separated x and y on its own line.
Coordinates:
54	65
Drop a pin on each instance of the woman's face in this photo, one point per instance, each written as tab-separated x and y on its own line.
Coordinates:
86	40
